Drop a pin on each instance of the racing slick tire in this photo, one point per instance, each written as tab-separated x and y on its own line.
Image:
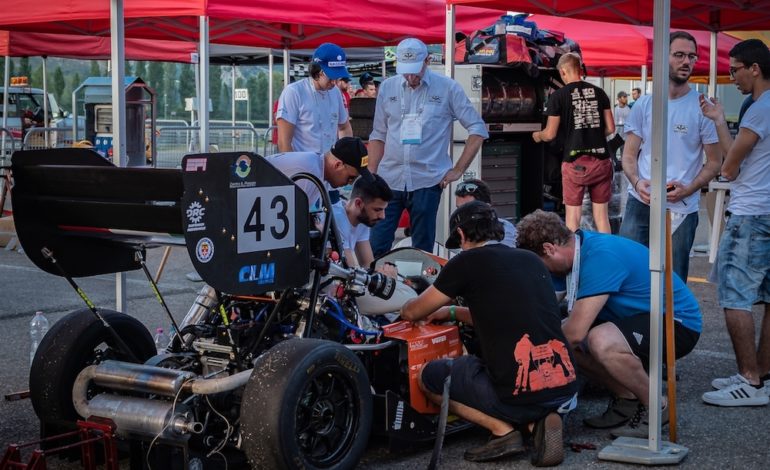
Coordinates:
307	405
74	342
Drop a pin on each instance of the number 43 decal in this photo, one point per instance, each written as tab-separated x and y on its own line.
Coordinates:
265	218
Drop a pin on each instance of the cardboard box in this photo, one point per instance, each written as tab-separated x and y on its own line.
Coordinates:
7	230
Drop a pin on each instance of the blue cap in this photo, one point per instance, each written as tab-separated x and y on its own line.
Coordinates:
331	58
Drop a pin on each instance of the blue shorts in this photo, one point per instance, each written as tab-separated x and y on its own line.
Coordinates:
743	262
472	387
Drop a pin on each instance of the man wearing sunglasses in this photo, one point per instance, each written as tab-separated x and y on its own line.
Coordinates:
311	112
477	190
743	260
689	135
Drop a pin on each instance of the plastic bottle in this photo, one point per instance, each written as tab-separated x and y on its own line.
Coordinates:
161	341
38	327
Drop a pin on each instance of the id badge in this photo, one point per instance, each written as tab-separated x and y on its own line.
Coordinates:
411	129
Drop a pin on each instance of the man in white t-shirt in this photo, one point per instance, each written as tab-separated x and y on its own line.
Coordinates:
311	112
354	218
689	135
743	260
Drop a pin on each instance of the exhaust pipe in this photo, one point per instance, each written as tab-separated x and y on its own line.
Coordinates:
141	415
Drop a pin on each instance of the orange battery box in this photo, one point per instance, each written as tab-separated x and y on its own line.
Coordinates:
424	343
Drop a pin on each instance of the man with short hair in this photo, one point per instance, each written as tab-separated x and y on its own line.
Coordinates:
311	112
344	85
635	94
408	145
370	89
622	110
743	260
362	211
525	374
690	134
608	300
477	190
581	114
341	165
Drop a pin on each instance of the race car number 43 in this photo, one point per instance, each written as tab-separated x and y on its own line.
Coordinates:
265	218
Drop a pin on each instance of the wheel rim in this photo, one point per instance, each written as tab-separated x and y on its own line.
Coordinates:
328	415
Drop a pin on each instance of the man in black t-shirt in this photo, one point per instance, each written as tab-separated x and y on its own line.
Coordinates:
525	373
581	114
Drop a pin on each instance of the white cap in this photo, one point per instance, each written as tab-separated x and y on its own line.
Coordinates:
410	55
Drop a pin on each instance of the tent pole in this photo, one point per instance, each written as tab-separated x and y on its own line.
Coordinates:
203	104
232	101
6	83
45	98
644	80
270	91
285	68
712	89
119	157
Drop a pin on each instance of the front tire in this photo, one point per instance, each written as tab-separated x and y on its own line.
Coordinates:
307	405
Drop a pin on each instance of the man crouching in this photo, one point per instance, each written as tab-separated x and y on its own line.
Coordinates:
526	374
608	297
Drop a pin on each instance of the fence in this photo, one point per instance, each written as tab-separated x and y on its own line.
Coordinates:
174	142
7	147
47	137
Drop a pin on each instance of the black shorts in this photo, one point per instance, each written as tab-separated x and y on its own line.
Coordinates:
472	387
636	330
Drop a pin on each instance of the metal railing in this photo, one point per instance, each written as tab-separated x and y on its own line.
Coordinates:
174	142
47	137
268	147
7	147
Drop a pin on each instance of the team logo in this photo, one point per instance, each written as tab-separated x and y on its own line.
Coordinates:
204	250
261	274
195	213
435	99
680	128
243	166
408	55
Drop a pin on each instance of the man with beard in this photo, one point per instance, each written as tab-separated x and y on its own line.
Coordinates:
355	217
689	135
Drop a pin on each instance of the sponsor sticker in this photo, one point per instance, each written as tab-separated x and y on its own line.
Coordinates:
195	213
195	164
204	250
243	166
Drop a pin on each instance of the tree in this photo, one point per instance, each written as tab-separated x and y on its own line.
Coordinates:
186	87
36	77
95	70
215	91
25	70
58	84
129	71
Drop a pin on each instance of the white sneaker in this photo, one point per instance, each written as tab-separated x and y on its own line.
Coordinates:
738	394
725	382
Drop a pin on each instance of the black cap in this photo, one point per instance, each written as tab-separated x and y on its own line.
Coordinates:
474	210
365	78
352	151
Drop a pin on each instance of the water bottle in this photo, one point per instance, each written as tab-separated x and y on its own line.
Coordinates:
38	327
161	341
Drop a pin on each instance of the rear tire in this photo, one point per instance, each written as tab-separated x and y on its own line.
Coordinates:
74	342
307	405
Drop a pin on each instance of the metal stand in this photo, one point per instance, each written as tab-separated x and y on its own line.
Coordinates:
636	450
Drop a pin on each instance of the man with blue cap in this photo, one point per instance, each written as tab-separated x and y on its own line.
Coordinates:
409	141
311	113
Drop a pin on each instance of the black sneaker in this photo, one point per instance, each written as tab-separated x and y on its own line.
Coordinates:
639	424
549	445
496	447
618	412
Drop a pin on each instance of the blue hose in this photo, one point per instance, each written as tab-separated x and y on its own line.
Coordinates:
337	314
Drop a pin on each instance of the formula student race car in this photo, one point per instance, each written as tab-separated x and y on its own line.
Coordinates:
273	364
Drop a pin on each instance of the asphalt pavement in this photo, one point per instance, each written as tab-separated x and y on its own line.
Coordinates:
716	437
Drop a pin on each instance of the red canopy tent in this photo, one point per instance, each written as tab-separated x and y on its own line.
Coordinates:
630	46
708	15
264	23
71	46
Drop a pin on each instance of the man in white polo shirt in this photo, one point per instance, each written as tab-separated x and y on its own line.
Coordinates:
409	141
311	112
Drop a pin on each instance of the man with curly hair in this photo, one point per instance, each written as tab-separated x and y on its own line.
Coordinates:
608	298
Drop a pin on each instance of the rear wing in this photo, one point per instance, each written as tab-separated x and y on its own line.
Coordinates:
91	214
244	223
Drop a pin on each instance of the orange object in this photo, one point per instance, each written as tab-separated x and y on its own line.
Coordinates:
424	344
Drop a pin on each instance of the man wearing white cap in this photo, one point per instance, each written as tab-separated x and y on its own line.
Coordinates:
409	141
311	113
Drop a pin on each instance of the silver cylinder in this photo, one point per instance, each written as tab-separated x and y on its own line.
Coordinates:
133	415
140	378
200	309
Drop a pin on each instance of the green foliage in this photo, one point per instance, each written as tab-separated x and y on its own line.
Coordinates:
25	69
36	77
95	71
57	82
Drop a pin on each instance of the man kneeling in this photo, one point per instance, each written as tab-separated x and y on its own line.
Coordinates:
608	297
526	374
